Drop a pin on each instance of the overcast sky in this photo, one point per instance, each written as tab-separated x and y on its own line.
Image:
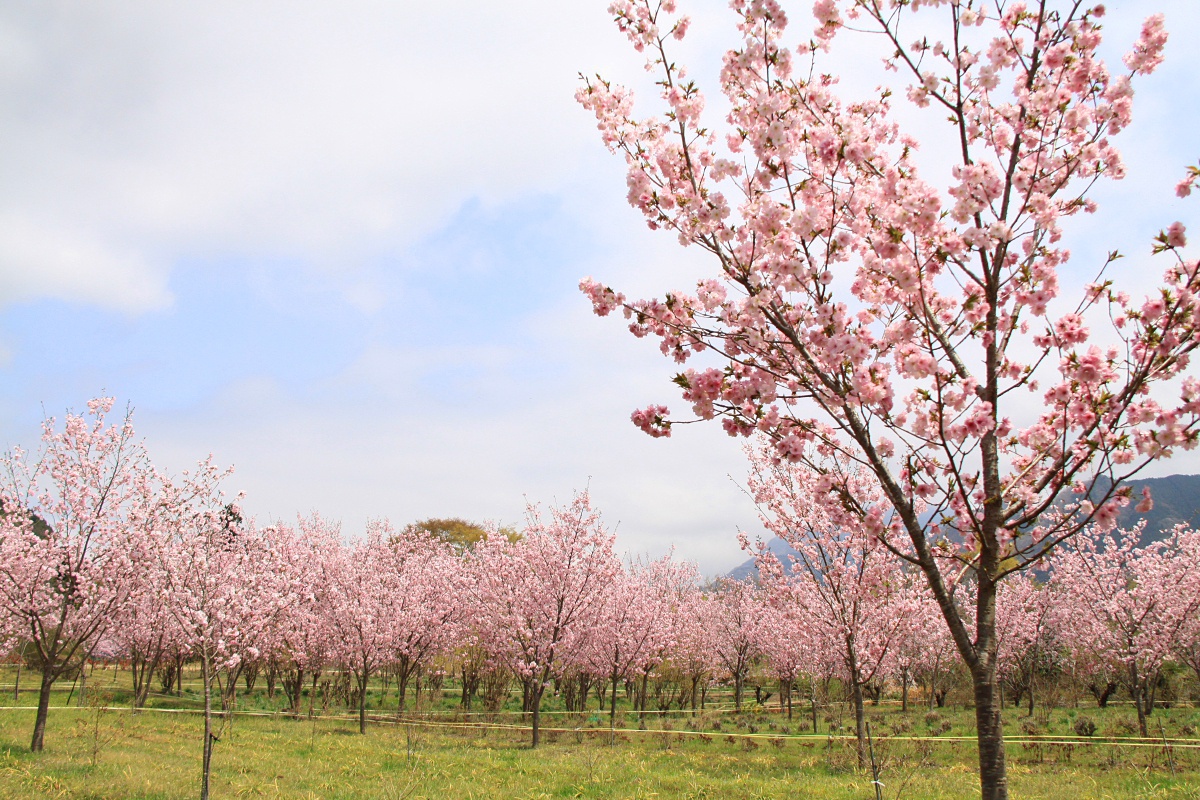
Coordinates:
337	246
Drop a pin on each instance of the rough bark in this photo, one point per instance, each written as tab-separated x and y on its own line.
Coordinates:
536	701
43	711
993	775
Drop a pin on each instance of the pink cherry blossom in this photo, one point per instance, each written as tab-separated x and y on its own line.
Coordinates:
901	324
544	593
1176	235
850	593
72	539
1131	602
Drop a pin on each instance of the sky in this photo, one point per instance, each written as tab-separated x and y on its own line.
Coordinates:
337	246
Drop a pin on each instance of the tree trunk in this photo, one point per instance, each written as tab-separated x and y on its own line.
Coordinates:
535	700
860	725
293	687
250	676
1137	690
298	687
1139	702
904	690
1102	695
612	712
312	693
1032	680
402	677
642	701
993	774
812	688
937	662
206	769
143	674
43	711
470	685
362	702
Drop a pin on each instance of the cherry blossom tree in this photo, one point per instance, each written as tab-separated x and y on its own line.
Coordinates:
667	585
1131	602
850	592
926	655
145	630
70	538
738	614
224	582
629	632
1097	671
362	592
692	653
426	607
857	310
789	646
1187	648
482	648
1030	620
545	590
304	639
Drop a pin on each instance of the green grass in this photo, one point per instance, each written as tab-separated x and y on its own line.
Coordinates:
92	753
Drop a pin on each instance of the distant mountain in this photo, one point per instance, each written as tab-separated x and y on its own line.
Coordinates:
747	569
1176	500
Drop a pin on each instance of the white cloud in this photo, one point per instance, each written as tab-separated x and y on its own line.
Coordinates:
333	133
66	263
139	134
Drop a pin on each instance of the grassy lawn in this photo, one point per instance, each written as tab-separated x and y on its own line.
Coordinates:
96	753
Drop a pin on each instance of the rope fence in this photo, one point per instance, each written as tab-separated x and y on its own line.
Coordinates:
1091	741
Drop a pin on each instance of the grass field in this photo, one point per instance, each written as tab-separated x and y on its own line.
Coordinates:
93	752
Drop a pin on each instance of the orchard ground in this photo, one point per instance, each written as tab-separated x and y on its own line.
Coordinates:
98	749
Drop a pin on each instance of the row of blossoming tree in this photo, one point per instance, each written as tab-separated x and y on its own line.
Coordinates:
101	554
904	339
